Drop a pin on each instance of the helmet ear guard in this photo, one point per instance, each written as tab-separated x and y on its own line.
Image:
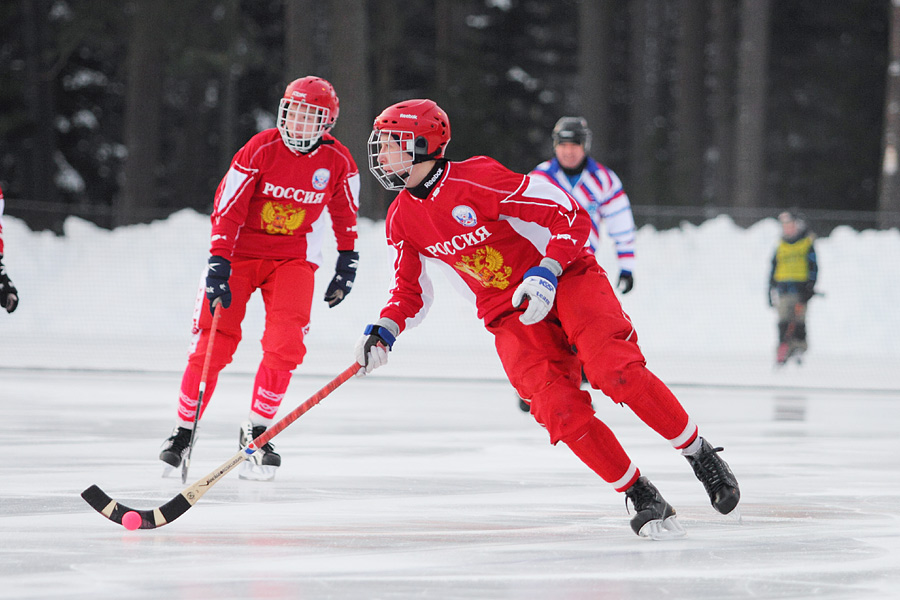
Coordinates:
420	150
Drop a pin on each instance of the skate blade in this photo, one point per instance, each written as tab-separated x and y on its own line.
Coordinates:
669	529
735	515
170	471
253	472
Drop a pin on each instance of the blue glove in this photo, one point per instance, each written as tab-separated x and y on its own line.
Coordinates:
344	275
373	347
539	286
217	275
626	281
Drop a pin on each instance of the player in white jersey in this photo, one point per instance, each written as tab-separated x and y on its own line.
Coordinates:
596	187
9	295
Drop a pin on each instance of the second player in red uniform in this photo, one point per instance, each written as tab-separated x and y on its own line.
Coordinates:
268	225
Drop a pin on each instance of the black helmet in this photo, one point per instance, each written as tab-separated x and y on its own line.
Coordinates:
573	130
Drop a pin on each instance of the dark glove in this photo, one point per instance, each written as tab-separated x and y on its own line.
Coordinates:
373	347
9	295
771	295
808	291
626	281
217	281
344	274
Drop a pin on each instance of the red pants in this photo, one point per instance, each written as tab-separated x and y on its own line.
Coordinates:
540	364
287	291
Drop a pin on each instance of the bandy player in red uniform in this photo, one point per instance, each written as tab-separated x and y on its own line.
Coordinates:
9	295
517	243
267	231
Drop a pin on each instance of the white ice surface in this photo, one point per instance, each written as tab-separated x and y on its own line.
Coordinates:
429	488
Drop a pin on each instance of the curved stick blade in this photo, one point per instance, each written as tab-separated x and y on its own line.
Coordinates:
150	519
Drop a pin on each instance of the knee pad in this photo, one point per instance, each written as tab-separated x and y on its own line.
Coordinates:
278	363
223	349
622	385
563	409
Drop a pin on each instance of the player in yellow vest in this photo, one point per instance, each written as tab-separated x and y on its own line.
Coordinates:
792	283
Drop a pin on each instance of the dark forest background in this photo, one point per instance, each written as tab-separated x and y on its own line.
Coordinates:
125	111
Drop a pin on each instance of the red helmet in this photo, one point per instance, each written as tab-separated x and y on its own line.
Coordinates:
419	127
308	109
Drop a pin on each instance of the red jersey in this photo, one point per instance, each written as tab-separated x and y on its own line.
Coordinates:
2	206
488	225
271	202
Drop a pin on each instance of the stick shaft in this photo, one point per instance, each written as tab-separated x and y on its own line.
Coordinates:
177	506
186	461
295	414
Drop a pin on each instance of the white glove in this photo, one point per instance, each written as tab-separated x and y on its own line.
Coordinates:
373	347
539	286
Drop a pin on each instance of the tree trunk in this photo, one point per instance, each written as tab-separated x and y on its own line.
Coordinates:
889	186
717	187
595	70
645	74
39	91
350	68
299	40
234	68
443	45
753	54
689	92
143	103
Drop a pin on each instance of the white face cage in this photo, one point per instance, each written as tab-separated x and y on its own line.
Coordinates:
301	125
391	157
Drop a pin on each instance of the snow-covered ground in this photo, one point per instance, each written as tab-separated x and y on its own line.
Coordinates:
123	299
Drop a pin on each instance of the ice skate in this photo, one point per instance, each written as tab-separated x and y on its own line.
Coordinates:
524	406
654	517
718	480
261	465
173	449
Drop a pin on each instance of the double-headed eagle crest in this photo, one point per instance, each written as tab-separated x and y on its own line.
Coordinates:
486	265
280	219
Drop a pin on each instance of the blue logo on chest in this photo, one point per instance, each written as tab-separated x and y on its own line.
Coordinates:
465	216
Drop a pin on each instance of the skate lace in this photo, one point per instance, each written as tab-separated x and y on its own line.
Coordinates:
708	467
180	440
641	497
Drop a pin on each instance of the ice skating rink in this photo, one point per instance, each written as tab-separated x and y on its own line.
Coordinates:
441	488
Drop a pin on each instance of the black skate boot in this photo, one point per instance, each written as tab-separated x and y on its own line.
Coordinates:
523	406
173	448
261	465
654	517
716	477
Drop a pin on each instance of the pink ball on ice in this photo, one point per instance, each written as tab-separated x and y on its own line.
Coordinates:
131	520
